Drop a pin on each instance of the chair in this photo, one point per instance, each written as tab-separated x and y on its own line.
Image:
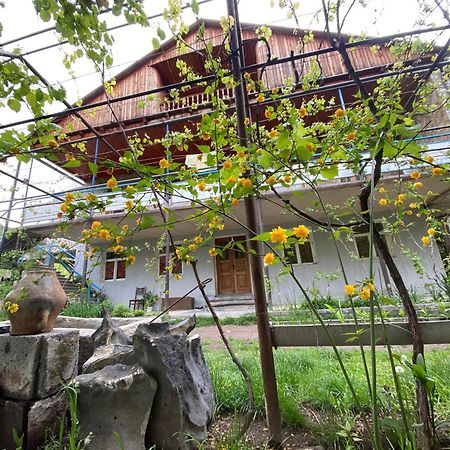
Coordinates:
138	300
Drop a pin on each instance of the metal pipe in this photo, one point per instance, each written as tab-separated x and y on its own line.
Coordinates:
11	200
168	243
257	266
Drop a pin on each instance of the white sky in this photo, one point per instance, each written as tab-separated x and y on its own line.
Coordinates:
18	18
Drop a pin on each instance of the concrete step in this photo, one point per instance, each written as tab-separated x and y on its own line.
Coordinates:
232	300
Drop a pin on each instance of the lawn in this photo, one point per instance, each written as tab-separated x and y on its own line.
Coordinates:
312	390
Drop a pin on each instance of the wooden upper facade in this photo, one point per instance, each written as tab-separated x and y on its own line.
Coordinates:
144	115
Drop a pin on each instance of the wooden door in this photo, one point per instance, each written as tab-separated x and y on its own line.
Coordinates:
233	269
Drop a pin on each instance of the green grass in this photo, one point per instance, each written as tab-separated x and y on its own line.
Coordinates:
311	379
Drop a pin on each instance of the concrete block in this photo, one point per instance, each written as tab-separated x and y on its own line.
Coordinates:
33	366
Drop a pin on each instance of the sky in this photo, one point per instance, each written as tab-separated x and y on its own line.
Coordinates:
380	17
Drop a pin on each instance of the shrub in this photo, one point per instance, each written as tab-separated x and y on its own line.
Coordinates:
122	311
84	309
138	313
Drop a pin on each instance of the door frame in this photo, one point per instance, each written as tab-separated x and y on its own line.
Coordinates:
250	292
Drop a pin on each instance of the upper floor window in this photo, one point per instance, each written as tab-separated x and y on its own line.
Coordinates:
115	266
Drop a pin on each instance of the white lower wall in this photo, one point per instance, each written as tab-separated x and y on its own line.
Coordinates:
284	290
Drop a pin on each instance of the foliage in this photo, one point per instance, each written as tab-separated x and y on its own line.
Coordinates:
85	309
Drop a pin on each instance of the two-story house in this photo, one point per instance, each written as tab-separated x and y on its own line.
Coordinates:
156	111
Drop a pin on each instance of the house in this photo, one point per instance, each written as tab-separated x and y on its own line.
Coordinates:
146	108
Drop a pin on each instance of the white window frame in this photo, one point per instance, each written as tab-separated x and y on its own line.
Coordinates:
366	234
116	260
298	253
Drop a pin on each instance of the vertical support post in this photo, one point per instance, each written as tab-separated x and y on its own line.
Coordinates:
8	214
27	188
167	249
257	266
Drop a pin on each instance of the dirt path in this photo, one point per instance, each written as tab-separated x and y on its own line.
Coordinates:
231	331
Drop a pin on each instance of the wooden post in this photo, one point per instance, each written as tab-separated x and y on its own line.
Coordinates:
257	266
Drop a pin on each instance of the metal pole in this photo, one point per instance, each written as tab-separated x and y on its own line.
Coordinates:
167	250
257	267
11	201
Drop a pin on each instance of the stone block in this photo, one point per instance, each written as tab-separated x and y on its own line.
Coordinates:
110	355
33	366
44	418
184	403
86	347
12	415
59	360
115	402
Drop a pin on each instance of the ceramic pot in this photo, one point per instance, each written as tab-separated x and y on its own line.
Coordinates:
40	297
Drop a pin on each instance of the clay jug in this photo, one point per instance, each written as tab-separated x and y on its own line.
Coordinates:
40	297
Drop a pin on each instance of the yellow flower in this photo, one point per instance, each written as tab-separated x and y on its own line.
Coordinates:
429	159
129	189
91	197
302	112
104	234
213	252
415	175
69	197
382	202
269	258
246	121
192	247
437	171
232	180
247	75
371	286
202	185
278	235
163	163
125	228
267	113
413	205
431	231
118	249
64	207
198	239
275	90
227	164
339	113
401	197
131	259
382	190
426	240
350	136
409	212
11	307
129	205
301	232
111	183
205	137
364	293
119	239
287	178
178	276
95	225
246	182
273	133
271	180
417	185
349	290
241	155
234	201
260	98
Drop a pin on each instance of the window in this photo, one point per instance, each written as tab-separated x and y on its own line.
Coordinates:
115	266
361	236
300	253
177	265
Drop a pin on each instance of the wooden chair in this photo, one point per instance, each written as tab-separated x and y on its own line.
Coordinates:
138	301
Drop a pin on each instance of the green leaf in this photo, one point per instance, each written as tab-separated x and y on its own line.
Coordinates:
204	148
160	33
156	44
265	159
389	150
262	237
93	168
73	163
45	15
330	172
194	6
14	104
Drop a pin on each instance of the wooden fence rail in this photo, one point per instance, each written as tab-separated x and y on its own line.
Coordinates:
398	333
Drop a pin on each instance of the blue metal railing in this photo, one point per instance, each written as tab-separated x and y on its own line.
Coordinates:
52	258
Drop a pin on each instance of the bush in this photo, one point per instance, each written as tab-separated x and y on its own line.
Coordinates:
138	313
122	311
84	309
